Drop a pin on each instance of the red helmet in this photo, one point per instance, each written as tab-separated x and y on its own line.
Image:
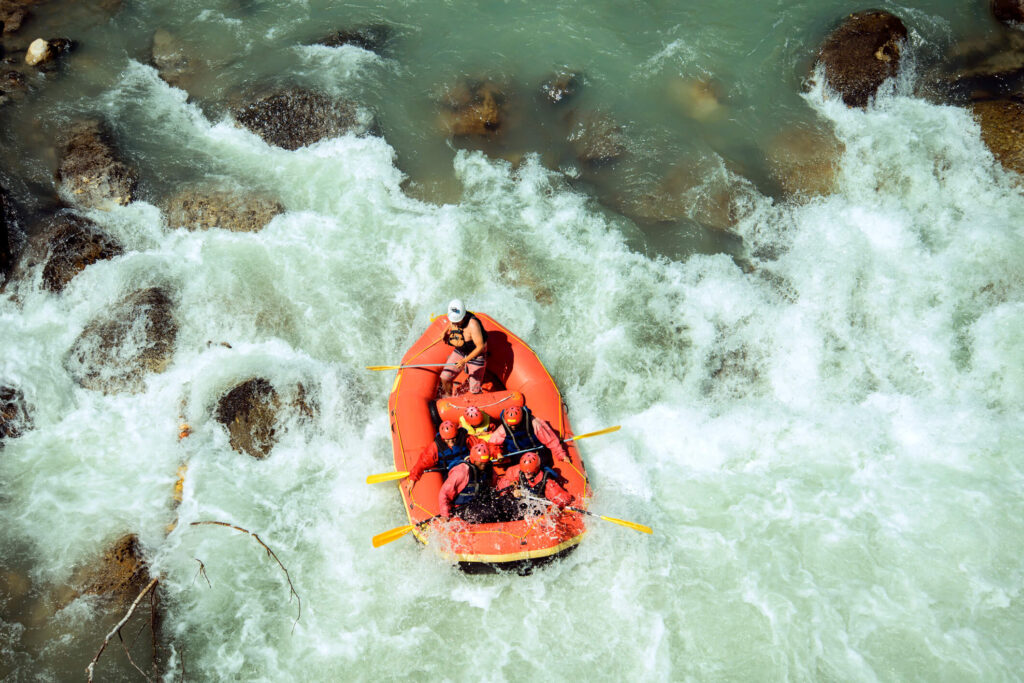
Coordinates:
530	463
447	430
480	455
513	415
473	416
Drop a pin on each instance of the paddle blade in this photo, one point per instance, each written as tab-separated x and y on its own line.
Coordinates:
385	476
383	367
392	535
631	525
599	432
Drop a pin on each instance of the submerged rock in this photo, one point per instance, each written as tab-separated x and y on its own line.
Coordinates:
121	573
171	60
373	37
473	108
1002	130
14	415
686	193
76	243
114	352
1008	11
861	54
699	98
14	12
561	87
804	161
90	171
197	208
982	69
596	138
295	118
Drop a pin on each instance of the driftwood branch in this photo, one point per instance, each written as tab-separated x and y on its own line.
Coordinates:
271	553
117	629
201	572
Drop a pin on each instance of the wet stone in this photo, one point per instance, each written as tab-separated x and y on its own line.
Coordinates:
1002	130
374	37
1008	11
91	172
14	414
249	413
295	118
861	54
114	352
76	243
561	87
596	138
197	208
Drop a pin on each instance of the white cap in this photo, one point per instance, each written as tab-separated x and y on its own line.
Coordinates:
456	311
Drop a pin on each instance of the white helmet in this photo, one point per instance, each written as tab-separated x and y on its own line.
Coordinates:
456	311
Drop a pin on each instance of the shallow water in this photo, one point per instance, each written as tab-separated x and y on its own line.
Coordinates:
820	411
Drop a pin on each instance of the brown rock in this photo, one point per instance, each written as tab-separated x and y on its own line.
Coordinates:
861	54
295	118
91	172
197	208
596	138
1008	11
804	161
13	13
473	108
76	243
249	412
698	98
710	199
121	573
14	417
114	352
1002	129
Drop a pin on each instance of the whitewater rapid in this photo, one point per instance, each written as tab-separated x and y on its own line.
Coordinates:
825	435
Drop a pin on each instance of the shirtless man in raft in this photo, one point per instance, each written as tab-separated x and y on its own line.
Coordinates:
468	340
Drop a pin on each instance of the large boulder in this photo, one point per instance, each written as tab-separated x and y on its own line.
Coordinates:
42	52
199	208
372	37
861	54
114	352
14	415
1002	129
1008	11
295	118
120	575
91	172
474	108
596	138
76	243
982	69
249	413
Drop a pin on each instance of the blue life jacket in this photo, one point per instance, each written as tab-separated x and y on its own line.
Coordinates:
478	480
449	457
538	490
521	437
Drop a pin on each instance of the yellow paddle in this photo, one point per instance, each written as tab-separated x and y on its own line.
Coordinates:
631	525
599	432
402	367
392	476
397	533
385	476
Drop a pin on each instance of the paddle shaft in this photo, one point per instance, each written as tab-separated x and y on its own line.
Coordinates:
402	367
571	438
398	532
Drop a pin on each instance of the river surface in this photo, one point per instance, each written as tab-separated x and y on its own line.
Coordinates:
821	409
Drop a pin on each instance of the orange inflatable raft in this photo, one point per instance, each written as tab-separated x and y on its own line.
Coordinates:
514	376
